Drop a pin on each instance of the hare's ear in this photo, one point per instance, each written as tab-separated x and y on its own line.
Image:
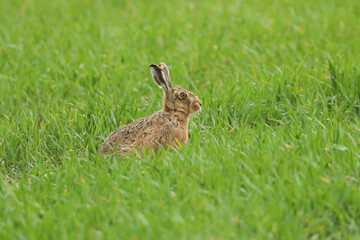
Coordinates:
165	70
161	76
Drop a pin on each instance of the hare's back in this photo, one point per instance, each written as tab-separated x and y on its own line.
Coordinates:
125	137
142	132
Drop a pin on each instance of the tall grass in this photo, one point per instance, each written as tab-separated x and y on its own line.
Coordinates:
274	154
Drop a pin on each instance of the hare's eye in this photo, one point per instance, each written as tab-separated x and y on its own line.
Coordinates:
183	95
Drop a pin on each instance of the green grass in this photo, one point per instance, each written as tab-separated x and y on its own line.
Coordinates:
274	154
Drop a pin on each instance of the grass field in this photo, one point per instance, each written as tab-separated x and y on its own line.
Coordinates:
274	153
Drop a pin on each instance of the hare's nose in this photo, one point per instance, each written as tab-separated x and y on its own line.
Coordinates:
200	104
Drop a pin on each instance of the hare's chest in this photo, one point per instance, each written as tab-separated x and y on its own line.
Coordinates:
173	131
179	134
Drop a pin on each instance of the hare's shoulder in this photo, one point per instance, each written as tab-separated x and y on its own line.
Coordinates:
156	120
164	119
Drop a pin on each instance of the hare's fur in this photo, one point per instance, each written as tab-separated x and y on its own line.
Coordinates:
167	127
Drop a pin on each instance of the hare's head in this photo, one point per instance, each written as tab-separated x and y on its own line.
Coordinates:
175	99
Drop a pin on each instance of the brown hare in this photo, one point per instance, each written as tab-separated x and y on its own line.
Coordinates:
166	127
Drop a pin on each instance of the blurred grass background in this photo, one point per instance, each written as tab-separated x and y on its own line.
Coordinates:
274	154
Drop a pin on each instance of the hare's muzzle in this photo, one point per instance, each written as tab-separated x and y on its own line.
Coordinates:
197	105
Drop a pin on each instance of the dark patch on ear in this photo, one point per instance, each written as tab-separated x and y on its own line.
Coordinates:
188	135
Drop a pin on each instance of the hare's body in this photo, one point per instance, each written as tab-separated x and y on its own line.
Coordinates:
167	127
161	128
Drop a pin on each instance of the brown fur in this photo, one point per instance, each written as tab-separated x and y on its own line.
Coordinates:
166	127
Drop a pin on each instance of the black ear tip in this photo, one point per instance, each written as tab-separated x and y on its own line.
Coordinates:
154	66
